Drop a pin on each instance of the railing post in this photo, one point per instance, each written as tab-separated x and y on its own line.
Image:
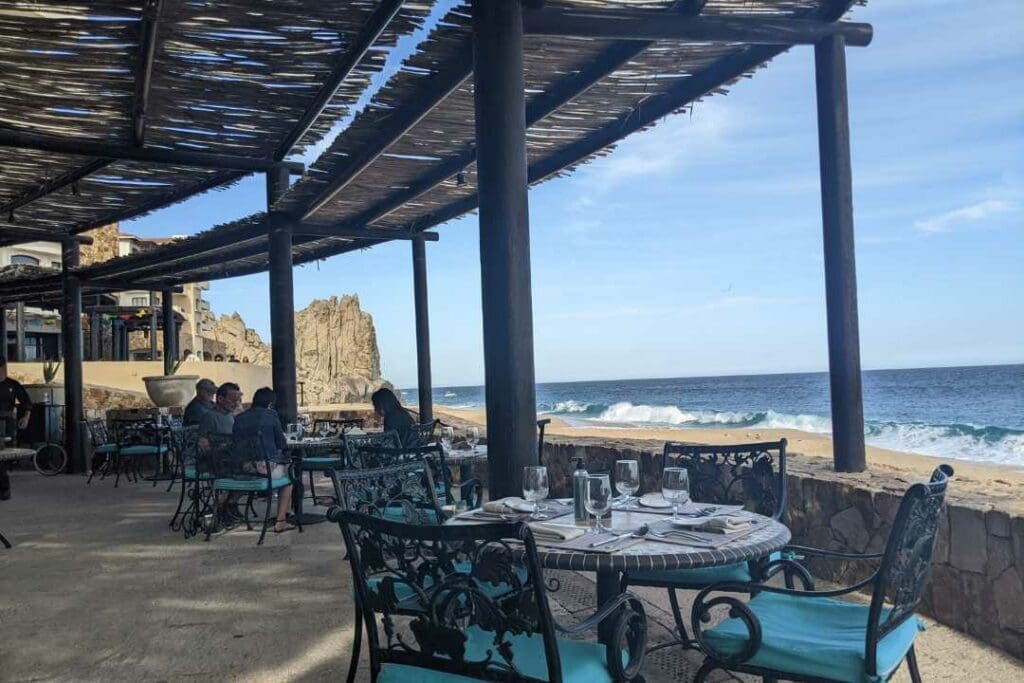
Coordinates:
282	298
840	266
504	243
71	338
423	381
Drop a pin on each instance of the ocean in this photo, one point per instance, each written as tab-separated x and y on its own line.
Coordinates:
969	413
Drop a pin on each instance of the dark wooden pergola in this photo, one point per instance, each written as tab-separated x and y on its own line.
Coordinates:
499	96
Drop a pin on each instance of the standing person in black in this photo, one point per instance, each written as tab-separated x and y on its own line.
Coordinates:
13	397
393	415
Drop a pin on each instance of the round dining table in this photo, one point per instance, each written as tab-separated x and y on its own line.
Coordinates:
650	554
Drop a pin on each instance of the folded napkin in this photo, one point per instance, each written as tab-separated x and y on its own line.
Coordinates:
503	504
554	532
725	524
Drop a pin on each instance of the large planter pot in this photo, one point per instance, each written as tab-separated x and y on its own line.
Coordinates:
51	394
170	391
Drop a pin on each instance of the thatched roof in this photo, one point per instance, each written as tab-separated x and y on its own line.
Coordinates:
406	162
228	77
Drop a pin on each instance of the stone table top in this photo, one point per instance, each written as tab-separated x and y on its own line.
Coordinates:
8	454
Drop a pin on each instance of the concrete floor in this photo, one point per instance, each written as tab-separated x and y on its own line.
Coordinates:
97	587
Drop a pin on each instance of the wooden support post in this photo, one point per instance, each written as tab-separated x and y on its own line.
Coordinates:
419	280
840	267
71	337
95	337
3	332
170	330
153	353
282	299
504	243
19	332
115	339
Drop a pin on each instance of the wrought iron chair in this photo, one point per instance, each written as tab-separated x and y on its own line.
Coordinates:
469	602
185	443
372	450
805	635
420	434
137	439
235	471
403	492
104	448
752	475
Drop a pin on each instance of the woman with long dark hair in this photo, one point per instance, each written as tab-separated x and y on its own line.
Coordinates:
393	415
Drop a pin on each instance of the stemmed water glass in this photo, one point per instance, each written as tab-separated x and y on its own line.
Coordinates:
472	438
325	430
675	488
292	432
535	486
627	479
447	439
598	498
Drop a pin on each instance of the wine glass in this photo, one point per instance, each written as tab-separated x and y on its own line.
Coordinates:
675	488
627	478
325	430
292	432
447	438
472	438
598	498
535	486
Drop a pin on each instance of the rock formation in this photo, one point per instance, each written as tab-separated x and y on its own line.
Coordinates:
336	351
242	342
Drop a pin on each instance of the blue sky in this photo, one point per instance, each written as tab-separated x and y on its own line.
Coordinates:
695	248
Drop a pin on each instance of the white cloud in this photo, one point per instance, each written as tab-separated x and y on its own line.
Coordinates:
972	213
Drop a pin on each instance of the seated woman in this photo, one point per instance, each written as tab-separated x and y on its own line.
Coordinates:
393	415
263	420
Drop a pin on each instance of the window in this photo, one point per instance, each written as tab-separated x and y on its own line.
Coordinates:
140	301
24	260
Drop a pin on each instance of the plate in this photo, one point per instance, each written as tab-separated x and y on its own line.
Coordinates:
654	500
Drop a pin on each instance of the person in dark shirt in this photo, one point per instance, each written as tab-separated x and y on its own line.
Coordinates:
15	409
201	404
393	415
263	421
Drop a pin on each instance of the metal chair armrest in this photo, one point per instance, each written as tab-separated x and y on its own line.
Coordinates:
806	550
628	634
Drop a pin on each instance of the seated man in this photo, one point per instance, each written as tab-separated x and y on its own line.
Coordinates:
201	404
262	419
12	396
221	418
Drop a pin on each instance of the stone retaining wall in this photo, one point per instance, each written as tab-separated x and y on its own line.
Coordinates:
976	582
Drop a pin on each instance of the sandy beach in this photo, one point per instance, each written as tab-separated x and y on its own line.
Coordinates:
973	480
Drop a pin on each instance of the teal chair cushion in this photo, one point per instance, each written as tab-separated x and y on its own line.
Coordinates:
396	513
105	448
322	464
143	449
704	576
582	662
255	484
192	474
815	637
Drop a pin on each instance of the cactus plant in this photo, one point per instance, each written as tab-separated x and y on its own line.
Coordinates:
50	368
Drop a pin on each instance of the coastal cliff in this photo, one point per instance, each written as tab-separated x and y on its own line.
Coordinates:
335	349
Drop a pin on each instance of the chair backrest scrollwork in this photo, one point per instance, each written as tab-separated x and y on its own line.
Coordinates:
906	563
403	492
362	451
752	475
452	598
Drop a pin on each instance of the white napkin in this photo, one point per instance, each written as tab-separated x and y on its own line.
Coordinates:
505	504
555	532
725	524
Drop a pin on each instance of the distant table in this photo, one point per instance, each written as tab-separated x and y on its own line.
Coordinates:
299	450
464	459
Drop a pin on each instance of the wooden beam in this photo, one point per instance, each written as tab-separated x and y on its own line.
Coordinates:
170	330
375	24
506	298
53	185
540	107
377	234
433	91
19	331
648	25
153	155
144	72
116	285
840	266
10	234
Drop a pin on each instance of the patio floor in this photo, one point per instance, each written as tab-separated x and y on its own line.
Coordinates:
97	587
